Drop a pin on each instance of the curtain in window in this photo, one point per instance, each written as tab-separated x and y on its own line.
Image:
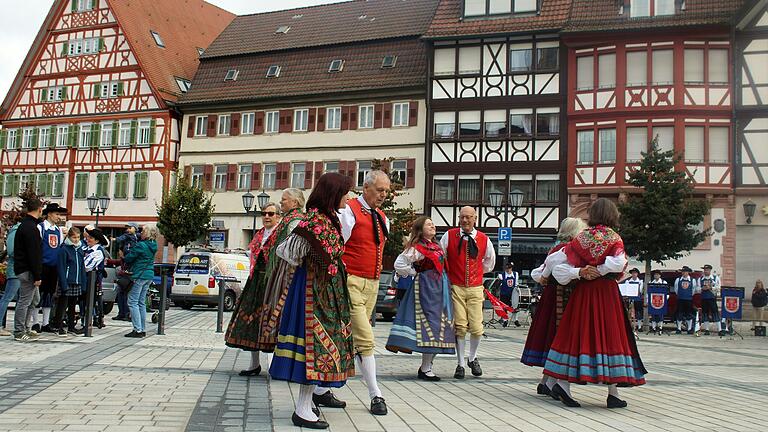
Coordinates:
662	67
718	66
694	144
607	70
469	190
584	73
637	68
718	144
637	142
694	66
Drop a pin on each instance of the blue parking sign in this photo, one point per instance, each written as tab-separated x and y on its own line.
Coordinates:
505	234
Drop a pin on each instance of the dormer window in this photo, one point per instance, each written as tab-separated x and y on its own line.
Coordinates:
479	8
282	29
649	8
336	65
183	84
273	71
389	61
231	75
158	39
200	51
82	5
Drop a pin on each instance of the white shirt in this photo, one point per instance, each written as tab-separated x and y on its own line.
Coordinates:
659	281
404	262
267	233
347	218
93	258
46	225
489	260
564	272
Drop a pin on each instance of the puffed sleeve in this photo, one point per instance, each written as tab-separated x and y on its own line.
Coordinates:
536	273
293	249
404	262
613	264
489	260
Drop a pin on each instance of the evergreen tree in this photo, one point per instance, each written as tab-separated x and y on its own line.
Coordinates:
185	214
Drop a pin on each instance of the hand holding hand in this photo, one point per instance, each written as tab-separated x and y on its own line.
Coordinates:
544	281
589	273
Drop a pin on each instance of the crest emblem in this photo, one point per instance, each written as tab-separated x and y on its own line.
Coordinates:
657	300
53	241
685	284
732	304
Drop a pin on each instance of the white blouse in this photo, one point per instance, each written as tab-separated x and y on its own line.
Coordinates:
404	262
564	272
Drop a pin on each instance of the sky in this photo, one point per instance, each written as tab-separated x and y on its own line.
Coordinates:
20	23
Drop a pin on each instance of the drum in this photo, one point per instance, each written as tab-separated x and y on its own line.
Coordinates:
525	298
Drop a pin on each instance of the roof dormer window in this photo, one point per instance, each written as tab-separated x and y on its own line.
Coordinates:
200	51
273	71
231	75
282	29
184	84
649	8
158	39
82	5
336	65
389	61
481	8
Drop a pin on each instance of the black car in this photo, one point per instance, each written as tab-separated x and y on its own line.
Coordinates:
386	301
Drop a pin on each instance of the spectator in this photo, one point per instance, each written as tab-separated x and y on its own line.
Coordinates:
11	281
52	238
72	280
28	266
759	301
141	260
95	256
124	244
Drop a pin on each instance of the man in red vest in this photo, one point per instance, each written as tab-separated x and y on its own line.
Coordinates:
365	229
469	253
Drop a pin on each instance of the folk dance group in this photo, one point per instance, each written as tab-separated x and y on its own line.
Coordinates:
315	277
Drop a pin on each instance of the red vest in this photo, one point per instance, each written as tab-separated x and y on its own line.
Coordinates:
464	271
361	256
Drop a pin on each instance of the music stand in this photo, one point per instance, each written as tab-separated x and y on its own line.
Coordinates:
731	303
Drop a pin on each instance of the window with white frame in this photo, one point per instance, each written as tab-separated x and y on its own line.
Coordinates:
333	118
62	136
77	47
443	189
198	171
640	8
44	138
520	57
157	38
607	145
201	126
445	61
469	60
663	7
109	89
273	122
718	144
637	143
183	84
247	122
445	124
270	175
693	70
521	122
331	167
694	143
585	73
85	136
399	171
220	178
298	175
718	66
363	168
74	47
400	116
12	139
244	172
25	181
662	66
84	5
606	71
586	141
106	135
124	140
300	120
495	124
28	138
637	68
665	136
54	94
58	185
469	124
365	117
225	120
144	135
474	8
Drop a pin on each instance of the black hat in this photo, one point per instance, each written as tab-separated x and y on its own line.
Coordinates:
509	265
707	267
54	208
634	269
686	269
98	235
657	271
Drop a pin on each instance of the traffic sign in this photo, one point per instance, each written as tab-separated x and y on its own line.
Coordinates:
505	241
505	234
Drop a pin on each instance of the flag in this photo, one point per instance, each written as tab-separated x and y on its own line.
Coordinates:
499	307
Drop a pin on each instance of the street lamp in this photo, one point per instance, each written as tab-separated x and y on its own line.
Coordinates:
749	210
97	206
513	204
262	200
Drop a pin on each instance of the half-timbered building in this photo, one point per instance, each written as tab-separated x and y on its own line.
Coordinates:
496	105
644	69
93	108
282	97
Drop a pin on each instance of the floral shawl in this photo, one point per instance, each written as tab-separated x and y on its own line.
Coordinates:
257	250
325	241
432	252
593	245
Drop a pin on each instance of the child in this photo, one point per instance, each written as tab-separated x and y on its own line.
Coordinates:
71	272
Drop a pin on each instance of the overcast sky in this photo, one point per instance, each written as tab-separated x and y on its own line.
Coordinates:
20	23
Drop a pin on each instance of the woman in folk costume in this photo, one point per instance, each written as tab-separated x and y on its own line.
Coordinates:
551	306
314	345
594	341
243	329
424	317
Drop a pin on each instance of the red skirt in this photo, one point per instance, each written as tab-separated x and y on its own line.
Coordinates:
543	329
594	342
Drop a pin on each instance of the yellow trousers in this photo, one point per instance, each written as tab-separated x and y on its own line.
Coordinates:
467	310
362	302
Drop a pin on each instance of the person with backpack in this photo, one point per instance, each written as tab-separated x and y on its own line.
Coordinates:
759	301
72	282
124	244
141	261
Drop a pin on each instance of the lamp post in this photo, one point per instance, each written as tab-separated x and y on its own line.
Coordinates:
97	206
749	210
514	201
262	200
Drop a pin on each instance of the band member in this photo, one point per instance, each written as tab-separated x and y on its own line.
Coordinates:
637	301
469	254
423	321
245	324
595	329
509	293
657	320
52	238
709	284
551	306
684	287
365	229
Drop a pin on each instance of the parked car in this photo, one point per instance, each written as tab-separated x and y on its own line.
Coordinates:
194	279
386	301
109	288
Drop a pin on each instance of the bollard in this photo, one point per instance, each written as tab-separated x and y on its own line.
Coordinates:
163	300
220	313
89	304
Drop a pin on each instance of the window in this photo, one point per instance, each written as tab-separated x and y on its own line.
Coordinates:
584	73
244	176
273	121
270	173
336	66
44	137
469	190
12	139
363	168
493	185
283	29
637	70
82	5
124	140
666	137
547	123
520	122
201	126
365	117
694	144
664	7
85	136
662	67
606	75
718	144
389	61
445	124
140	181
298	174
718	66
520	59
10	184
121	185
547	189
28	138
145	132
62	136
694	66
106	135
220	178
607	145
54	94
102	184
640	8
273	71
300	120
331	167
198	172
44	185
183	84
469	60
58	185
109	90
495	124
247	122
400	117
157	38
469	124
547	57
637	143
74	47
333	118
524	184
586	139
200	51
497	7
445	61
474	7
398	171
231	75
81	185
443	190
26	181
223	124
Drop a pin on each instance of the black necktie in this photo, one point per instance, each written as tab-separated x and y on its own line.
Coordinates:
471	245
377	221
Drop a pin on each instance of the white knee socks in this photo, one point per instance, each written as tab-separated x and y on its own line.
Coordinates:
565	385
368	365
461	344
304	403
474	342
426	364
46	316
255	362
613	390
550	382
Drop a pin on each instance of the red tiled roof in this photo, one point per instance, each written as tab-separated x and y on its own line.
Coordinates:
183	25
602	15
305	72
448	22
336	23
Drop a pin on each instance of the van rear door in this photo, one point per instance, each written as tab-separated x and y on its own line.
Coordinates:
191	275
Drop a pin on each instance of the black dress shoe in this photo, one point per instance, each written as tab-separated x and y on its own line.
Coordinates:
134	334
614	402
378	406
251	372
36	328
425	377
517	323
542	389
459	374
300	422
474	365
564	398
328	400
47	329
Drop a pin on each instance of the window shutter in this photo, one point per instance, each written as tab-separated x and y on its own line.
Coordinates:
35	138
231	177
345	118
207	177
413	113
258	123
134	126
191	126
95	91
64	93
74	5
65	49
234	124
101	44
95	135
211	126
286	123
44	96
308	175
377	113
386	165
115	132
410	175
120	88
321	119
3	138
283	171
318	172
387	117
312	117
353	110
188	174
2	189
256	174
73	131
350	169
153	131
52	137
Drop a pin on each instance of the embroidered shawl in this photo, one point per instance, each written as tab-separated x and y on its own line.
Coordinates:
325	241
593	245
432	252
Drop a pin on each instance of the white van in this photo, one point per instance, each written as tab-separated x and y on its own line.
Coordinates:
194	281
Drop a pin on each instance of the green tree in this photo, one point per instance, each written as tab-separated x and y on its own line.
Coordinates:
185	214
400	218
661	222
16	212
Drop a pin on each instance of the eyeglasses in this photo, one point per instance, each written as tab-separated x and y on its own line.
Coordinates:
269	213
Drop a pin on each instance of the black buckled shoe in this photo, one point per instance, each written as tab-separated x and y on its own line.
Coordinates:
474	365
250	372
459	374
543	390
378	406
425	377
300	422
614	402
564	398
328	400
